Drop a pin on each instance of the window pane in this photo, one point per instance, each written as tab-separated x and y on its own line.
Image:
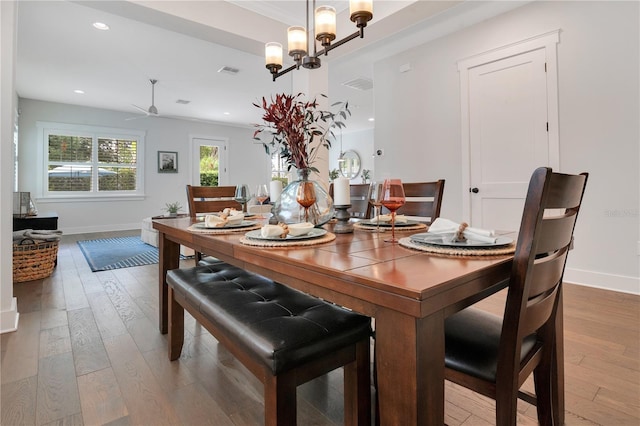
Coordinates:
117	151
117	178
69	148
70	177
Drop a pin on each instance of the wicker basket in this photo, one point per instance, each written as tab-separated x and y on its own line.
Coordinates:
33	260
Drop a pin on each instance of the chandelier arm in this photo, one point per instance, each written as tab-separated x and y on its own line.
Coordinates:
283	72
338	43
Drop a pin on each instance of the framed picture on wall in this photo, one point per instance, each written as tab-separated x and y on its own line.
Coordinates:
167	162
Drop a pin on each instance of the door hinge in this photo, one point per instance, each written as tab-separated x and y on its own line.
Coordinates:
545	67
547	126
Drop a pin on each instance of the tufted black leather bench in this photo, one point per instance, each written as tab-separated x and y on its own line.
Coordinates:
284	337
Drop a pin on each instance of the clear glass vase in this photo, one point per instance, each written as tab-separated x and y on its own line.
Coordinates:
288	209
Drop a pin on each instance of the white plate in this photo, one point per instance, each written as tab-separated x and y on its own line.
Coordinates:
446	240
243	224
314	233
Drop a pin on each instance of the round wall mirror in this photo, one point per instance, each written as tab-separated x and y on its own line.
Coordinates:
349	164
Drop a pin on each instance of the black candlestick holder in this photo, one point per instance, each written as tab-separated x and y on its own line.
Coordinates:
343	226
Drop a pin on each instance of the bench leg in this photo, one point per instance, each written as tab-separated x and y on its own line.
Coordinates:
357	388
176	326
280	400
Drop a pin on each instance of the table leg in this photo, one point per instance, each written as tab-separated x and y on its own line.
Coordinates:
410	368
168	258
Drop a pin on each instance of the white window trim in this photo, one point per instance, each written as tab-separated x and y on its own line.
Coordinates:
44	128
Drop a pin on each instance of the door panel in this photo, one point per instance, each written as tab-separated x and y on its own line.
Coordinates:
508	135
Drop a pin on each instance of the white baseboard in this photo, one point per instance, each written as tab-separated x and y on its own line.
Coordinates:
9	318
613	282
103	228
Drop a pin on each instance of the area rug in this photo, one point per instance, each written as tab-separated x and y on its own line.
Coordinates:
115	253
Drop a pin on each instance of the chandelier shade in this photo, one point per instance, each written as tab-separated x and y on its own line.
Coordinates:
324	24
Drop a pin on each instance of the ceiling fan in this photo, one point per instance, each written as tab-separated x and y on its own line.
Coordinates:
152	110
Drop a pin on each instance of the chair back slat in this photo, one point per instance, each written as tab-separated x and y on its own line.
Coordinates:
565	192
539	311
207	199
555	233
547	272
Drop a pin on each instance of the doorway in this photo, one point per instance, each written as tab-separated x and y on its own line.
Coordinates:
208	161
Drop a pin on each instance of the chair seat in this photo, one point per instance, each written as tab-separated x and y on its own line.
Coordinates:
472	339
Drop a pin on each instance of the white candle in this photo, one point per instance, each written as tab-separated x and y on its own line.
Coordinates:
341	192
275	189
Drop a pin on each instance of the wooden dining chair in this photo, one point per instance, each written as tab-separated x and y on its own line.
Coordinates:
209	199
494	355
359	194
423	199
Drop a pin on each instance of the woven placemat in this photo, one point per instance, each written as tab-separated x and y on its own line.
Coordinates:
458	251
288	243
222	231
367	227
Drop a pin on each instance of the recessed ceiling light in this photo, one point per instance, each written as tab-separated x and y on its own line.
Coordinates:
100	26
372	119
226	113
79	92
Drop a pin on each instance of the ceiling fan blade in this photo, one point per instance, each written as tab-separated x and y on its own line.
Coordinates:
140	108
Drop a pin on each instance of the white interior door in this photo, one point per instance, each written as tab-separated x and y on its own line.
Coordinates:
509	127
508	133
219	148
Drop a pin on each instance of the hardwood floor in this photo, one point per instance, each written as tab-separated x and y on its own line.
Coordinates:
88	351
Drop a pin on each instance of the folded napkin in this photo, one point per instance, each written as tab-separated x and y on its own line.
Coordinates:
231	212
271	231
400	218
214	221
446	226
234	217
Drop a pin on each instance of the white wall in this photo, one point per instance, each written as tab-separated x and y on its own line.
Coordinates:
8	101
247	163
418	121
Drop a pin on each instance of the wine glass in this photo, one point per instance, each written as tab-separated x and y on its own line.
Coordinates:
242	196
306	197
375	198
392	198
262	193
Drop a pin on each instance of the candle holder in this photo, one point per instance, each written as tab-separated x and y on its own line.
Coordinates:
343	226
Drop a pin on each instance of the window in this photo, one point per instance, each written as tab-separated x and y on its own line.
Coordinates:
85	161
279	168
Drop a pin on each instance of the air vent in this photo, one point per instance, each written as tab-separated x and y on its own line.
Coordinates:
360	83
182	101
229	70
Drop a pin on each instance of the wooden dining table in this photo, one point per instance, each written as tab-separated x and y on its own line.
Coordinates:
408	292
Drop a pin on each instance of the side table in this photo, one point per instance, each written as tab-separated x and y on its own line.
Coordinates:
45	220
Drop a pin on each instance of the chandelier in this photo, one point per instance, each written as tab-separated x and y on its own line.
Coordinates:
324	24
